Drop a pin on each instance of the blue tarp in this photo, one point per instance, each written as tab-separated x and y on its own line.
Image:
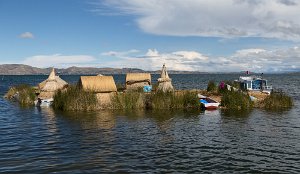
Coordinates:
203	101
147	88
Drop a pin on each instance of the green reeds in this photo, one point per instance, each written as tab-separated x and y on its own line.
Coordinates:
159	100
171	100
120	87
75	99
211	86
22	93
128	100
278	100
236	100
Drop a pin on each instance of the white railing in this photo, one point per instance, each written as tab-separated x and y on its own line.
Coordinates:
267	87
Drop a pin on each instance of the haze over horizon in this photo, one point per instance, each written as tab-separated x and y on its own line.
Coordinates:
191	35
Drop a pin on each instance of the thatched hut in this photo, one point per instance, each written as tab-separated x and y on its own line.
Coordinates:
137	80
103	86
49	86
164	82
98	84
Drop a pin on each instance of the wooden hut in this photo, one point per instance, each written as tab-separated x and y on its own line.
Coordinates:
137	80
103	86
49	86
165	82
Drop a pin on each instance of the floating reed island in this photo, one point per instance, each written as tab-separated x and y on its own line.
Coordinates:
101	92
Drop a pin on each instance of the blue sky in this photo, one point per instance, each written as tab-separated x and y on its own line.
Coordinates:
219	35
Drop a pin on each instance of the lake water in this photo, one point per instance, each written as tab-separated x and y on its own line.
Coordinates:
34	140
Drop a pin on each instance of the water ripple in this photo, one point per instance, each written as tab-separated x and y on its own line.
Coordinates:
43	141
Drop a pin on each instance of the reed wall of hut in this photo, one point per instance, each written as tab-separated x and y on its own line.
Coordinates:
103	86
137	80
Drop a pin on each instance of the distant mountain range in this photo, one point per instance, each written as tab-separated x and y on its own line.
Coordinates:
20	69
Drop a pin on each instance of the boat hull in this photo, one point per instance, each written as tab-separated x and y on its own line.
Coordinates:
209	103
43	102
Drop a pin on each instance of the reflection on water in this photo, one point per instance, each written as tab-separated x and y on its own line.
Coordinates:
92	120
49	116
226	113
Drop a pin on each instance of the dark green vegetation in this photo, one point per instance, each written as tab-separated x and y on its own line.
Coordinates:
236	100
75	99
128	100
171	100
23	93
278	100
211	86
155	100
120	87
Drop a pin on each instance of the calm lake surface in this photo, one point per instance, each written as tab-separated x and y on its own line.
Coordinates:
40	140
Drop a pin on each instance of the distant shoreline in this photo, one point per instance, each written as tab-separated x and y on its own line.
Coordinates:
20	69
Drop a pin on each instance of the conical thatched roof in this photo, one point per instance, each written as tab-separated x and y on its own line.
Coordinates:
99	84
53	83
138	77
164	73
49	86
164	82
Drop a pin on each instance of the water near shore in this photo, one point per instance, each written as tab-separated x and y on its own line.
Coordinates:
36	140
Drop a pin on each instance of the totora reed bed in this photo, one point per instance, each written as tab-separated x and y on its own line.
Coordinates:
278	100
77	98
23	94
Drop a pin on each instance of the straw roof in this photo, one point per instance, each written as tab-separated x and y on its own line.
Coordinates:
53	83
165	87
164	76
164	81
98	83
138	77
164	73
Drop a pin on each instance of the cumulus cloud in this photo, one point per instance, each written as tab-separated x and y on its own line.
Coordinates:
269	60
219	18
26	35
256	60
153	60
59	60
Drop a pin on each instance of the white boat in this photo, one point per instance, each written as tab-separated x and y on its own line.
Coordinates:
208	103
43	102
254	83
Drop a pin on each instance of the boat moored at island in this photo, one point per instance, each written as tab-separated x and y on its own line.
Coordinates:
43	102
254	83
207	102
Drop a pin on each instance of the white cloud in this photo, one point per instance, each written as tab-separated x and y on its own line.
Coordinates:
218	18
26	35
119	54
153	60
152	53
255	60
59	60
253	51
190	55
